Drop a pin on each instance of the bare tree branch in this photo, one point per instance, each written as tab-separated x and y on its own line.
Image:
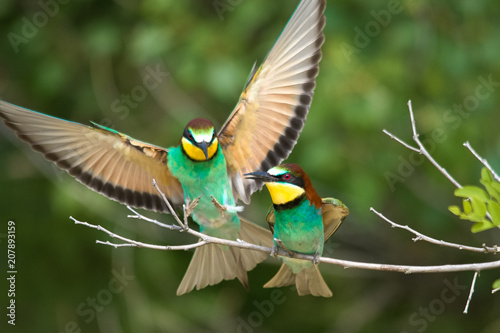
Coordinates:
205	239
483	161
184	224
420	236
131	242
471	292
421	149
392	136
407	269
424	151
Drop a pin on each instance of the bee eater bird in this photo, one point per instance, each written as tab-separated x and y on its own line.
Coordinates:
259	133
301	222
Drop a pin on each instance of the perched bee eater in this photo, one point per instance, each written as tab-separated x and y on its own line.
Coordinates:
260	132
301	222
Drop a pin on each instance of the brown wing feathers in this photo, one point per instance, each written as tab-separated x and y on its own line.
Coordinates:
288	138
106	161
267	121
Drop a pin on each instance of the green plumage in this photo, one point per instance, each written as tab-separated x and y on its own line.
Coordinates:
301	222
300	229
260	132
205	179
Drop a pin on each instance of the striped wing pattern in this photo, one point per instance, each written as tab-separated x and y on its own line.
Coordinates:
106	161
266	123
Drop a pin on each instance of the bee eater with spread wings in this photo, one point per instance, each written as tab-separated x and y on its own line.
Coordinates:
259	133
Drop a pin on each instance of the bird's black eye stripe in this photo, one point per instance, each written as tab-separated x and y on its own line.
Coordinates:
292	179
188	135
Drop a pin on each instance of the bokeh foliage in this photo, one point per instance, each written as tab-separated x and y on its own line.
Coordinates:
87	57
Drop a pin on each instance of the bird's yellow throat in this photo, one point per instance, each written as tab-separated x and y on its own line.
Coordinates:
196	153
282	193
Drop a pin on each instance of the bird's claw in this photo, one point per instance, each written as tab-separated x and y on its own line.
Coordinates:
281	245
191	205
316	258
219	207
274	251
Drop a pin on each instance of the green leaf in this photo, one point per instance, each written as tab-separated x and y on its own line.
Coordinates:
490	188
494	210
470	191
478	209
481	226
455	210
496	185
467	206
496	284
486	175
496	190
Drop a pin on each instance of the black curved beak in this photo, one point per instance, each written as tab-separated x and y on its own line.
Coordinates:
260	176
204	147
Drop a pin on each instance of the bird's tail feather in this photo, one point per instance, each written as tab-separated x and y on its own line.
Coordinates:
210	265
284	277
213	263
308	281
252	233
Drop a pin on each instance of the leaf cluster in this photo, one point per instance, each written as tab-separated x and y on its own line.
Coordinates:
479	206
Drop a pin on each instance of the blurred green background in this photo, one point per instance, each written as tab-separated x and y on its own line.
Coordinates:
80	60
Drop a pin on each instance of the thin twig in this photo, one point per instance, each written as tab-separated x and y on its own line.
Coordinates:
210	239
407	269
420	236
205	239
282	246
471	292
163	225
483	161
421	149
392	136
170	208
115	245
425	152
136	243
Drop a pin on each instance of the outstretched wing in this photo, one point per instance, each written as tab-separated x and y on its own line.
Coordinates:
267	121
333	212
106	161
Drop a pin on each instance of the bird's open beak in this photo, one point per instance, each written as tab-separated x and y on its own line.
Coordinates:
260	176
